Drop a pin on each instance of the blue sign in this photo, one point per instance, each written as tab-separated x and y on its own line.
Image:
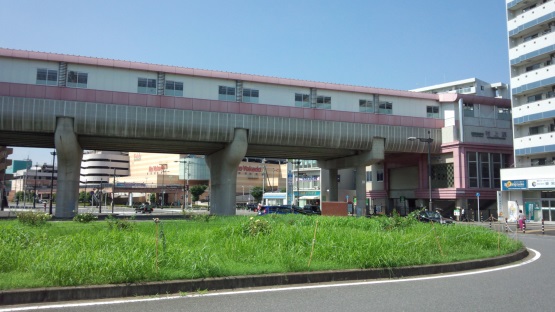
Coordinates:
477	194
507	185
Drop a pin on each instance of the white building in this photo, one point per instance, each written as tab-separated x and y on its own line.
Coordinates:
101	166
530	185
469	86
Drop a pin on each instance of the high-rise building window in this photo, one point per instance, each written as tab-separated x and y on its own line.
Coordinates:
302	100
173	88
47	77
77	79
534	98
365	106
146	86
432	111
226	94
250	96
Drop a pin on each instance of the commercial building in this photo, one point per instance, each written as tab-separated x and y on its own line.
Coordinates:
530	184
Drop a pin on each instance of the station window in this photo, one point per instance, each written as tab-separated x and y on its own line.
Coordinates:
77	79
250	96
146	86
379	175
226	94
47	77
468	110
504	113
385	107
173	88
323	102
368	176
432	111
302	100
365	106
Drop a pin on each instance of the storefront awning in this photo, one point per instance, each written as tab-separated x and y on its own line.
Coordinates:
309	197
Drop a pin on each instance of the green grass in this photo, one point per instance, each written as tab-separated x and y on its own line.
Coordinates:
71	253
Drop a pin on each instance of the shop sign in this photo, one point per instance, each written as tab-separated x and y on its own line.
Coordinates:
541	183
514	185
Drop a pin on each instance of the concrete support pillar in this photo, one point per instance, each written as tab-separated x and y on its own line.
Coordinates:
333	184
223	174
69	154
360	186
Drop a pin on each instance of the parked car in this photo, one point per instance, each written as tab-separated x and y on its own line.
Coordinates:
252	206
433	216
264	210
144	208
312	209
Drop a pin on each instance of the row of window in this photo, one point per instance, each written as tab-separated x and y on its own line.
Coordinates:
174	88
484	169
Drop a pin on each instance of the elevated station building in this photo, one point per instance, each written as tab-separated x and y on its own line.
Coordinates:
115	105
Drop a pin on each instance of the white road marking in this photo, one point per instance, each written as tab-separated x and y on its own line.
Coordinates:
240	292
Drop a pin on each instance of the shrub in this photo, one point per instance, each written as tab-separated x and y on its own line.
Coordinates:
85	217
255	227
33	218
119	224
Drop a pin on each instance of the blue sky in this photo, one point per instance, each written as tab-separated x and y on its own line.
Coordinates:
402	44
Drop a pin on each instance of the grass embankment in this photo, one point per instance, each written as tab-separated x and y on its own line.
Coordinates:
71	253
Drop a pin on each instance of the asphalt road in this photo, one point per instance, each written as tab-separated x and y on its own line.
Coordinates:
523	286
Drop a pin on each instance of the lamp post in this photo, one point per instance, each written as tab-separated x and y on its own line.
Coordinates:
298	163
114	191
35	192
52	180
243	197
428	140
263	175
185	184
163	189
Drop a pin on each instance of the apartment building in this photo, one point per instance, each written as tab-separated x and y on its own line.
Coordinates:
530	184
473	86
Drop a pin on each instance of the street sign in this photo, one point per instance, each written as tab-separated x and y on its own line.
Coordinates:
477	194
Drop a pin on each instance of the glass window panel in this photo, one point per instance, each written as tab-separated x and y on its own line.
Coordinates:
41	74
142	82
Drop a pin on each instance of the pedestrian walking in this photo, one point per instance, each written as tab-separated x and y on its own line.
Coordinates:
17	203
521	219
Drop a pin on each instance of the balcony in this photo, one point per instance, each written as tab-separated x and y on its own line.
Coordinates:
535	111
543	44
539	74
529	18
535	144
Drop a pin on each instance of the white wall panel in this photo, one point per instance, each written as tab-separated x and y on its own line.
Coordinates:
22	71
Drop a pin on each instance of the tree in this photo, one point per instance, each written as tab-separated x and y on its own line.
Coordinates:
84	197
196	191
257	193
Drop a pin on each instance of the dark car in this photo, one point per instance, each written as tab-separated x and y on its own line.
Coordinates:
312	209
144	208
433	216
264	210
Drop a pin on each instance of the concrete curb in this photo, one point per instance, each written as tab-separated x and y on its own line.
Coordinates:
54	294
